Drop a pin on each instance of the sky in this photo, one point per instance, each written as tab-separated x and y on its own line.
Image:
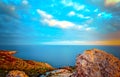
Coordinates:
60	22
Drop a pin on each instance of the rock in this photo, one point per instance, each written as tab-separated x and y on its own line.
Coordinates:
16	73
69	68
65	71
58	73
97	63
9	62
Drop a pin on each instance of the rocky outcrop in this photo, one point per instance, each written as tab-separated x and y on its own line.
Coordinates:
8	62
16	73
58	73
97	63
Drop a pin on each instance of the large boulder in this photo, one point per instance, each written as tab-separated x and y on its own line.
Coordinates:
97	63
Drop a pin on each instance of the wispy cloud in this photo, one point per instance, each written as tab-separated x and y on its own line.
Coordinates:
105	15
50	21
25	2
60	24
75	5
111	2
82	16
73	13
44	14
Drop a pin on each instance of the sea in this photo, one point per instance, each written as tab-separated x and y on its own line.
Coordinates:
56	55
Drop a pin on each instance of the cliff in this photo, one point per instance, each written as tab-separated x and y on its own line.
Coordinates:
8	62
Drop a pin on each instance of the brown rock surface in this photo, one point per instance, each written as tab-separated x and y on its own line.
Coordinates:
97	63
16	73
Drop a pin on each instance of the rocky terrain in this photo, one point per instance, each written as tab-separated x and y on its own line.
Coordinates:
97	63
32	68
92	63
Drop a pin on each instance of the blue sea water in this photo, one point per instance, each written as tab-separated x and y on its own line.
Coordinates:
56	55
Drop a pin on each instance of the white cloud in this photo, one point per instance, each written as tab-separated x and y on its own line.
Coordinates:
82	16
87	10
100	14
89	21
96	10
75	5
78	7
72	13
67	3
50	21
60	24
44	14
25	2
88	29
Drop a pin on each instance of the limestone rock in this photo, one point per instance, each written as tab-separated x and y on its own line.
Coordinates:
97	63
16	73
58	73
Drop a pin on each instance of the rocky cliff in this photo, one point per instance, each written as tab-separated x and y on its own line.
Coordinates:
97	63
9	62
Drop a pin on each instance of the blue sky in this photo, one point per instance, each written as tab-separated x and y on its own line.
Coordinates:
59	22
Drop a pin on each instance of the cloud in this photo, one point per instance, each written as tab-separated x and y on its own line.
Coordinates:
88	29
111	2
77	42
96	10
105	15
44	14
60	24
25	2
50	21
82	16
71	13
75	5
